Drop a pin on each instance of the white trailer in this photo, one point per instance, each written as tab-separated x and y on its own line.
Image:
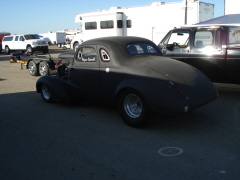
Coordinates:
56	37
152	21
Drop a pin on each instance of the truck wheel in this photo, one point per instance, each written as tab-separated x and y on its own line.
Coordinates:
75	46
43	68
64	48
46	94
29	50
7	50
33	69
132	108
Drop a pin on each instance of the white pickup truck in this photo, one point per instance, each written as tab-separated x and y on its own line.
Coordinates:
26	42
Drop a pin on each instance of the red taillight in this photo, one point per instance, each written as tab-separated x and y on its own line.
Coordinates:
58	63
179	90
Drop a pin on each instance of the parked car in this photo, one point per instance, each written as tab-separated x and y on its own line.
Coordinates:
26	42
131	73
215	50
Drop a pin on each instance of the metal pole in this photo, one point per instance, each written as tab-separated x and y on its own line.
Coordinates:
185	12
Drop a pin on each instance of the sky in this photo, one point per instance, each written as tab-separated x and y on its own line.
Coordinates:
28	16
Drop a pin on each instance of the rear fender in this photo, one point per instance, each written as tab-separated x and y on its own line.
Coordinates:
57	86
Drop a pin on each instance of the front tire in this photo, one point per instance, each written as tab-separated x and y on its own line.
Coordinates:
29	50
132	108
44	69
46	93
32	68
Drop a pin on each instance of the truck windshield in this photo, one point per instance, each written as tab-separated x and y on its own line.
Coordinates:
234	35
31	36
141	48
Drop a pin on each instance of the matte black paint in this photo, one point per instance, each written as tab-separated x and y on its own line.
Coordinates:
158	79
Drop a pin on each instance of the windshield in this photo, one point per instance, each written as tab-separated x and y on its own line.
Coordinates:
141	48
31	36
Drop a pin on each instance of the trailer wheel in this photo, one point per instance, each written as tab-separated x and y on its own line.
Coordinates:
44	68
32	68
64	48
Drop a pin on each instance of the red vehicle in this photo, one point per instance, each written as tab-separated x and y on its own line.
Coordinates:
2	34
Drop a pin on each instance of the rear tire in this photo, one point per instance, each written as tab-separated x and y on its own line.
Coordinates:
46	93
7	50
132	108
29	50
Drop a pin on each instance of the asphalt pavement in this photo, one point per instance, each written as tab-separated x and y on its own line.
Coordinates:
41	141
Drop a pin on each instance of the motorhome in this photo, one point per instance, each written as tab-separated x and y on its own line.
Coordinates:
151	21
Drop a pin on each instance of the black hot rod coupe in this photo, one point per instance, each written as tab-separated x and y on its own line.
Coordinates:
131	73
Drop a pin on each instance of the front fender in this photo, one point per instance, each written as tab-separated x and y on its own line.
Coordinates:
59	88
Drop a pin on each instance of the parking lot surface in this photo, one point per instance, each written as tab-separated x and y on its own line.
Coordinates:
88	140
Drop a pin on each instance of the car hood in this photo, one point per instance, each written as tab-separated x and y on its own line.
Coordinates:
194	85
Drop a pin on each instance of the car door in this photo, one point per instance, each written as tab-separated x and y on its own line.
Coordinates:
176	44
21	43
84	72
207	54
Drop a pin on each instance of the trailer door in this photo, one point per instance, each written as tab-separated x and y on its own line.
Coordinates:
119	24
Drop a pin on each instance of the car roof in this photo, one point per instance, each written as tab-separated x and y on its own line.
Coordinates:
123	40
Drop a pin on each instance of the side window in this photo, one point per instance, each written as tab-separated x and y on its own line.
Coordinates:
106	24
203	38
90	25
16	38
21	38
179	37
8	38
104	55
86	54
234	35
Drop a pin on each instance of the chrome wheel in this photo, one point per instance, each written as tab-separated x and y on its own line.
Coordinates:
46	93
32	68
43	69
133	105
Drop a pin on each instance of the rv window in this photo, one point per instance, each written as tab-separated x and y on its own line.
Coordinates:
129	23
106	24
119	24
86	54
90	25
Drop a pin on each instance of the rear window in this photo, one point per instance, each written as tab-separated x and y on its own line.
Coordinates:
234	35
203	38
8	38
141	48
